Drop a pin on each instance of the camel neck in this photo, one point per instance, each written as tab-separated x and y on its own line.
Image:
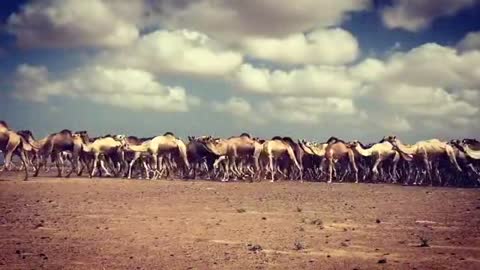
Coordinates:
409	150
139	148
362	151
475	154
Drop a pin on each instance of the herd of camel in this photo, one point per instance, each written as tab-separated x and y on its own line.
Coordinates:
429	162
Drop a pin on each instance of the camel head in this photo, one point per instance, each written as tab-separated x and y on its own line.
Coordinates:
120	138
215	145
83	134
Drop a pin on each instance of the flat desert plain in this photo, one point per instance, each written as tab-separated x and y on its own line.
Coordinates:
81	223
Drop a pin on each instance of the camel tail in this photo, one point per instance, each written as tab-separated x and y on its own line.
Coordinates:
291	154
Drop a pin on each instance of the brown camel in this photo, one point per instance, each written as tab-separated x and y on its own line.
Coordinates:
54	145
338	150
235	149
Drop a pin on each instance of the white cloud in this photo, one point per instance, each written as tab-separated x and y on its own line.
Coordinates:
129	88
470	42
234	20
414	15
432	65
293	110
72	23
310	80
429	85
234	106
178	52
322	46
308	110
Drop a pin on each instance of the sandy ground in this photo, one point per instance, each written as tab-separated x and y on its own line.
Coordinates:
80	223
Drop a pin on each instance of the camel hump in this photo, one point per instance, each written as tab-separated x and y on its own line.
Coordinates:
66	132
169	133
3	123
244	134
333	140
276	138
289	141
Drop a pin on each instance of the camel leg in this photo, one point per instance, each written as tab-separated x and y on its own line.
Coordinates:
95	164
102	165
226	173
146	168
58	164
23	159
131	165
272	170
354	165
8	157
155	165
330	170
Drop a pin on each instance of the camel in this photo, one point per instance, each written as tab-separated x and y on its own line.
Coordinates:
10	143
200	156
379	151
159	145
235	149
338	150
427	152
100	148
274	150
55	144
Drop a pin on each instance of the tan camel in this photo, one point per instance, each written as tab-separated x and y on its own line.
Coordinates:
336	151
379	151
11	142
99	148
159	145
427	151
275	149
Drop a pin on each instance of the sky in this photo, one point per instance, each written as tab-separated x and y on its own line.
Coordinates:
309	69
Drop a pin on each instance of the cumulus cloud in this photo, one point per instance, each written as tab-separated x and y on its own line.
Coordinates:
429	65
178	52
310	80
322	46
429	85
233	20
297	110
72	23
129	88
414	15
470	42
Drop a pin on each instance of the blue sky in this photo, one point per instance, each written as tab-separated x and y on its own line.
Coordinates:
354	69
